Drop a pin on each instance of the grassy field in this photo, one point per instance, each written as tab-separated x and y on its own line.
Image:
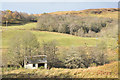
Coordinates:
63	40
105	71
27	26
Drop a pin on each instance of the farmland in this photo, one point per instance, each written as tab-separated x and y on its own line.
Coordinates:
64	40
67	44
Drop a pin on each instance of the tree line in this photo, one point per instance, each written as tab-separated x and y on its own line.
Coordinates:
72	24
14	17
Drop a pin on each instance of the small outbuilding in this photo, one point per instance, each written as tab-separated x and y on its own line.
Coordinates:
35	62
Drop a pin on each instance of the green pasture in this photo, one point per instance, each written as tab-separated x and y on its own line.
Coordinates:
27	26
63	40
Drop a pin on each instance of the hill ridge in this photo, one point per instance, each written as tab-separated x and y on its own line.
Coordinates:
95	11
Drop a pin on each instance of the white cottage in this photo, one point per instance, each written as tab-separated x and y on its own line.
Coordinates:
34	62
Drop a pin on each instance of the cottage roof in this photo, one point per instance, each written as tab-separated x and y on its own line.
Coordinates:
36	59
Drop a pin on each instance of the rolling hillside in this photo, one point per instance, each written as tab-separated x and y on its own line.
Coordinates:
64	40
102	12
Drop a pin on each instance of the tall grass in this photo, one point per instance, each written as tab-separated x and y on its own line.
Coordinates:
105	71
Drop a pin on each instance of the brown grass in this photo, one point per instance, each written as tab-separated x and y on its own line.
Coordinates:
105	71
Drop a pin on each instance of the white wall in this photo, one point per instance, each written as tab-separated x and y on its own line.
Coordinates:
45	65
30	66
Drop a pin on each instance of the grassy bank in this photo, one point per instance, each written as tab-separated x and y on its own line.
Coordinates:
105	71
